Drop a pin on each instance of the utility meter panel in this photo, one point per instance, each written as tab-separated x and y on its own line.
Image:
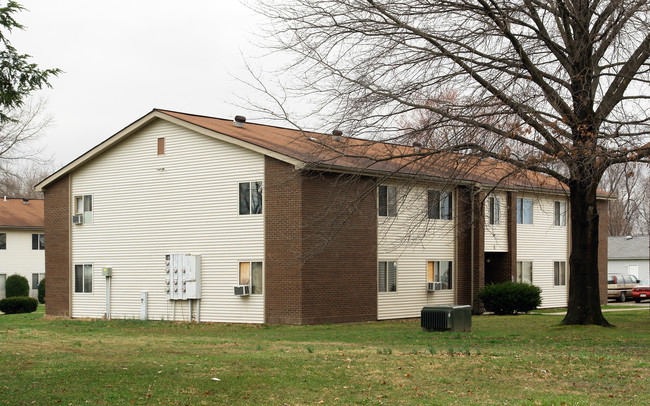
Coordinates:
182	276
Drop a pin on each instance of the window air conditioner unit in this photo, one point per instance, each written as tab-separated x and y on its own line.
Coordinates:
431	286
242	290
78	219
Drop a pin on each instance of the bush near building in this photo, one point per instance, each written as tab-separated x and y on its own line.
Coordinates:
16	285
510	297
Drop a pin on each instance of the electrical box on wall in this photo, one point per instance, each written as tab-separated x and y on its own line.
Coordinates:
182	276
107	271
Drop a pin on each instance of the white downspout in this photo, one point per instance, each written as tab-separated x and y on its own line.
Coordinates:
108	297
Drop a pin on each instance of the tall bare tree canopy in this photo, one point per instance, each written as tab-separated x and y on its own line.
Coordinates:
558	87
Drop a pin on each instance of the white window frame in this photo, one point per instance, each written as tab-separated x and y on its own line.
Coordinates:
40	241
494	210
39	279
435	276
387	288
255	289
442	209
259	187
86	200
559	214
525	210
390	203
559	273
87	272
520	272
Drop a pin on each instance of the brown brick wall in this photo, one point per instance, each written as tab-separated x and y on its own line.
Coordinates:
283	243
510	262
340	247
57	254
466	229
603	228
320	242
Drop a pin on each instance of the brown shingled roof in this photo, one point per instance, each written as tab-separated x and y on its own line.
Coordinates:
309	150
322	151
21	213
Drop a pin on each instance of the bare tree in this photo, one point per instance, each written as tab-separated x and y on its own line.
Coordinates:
568	82
627	182
22	164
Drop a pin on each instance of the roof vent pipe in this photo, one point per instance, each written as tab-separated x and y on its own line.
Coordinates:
25	201
417	146
5	199
239	121
337	135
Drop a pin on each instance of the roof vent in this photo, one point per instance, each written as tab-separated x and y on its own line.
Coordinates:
239	121
417	146
25	201
337	135
629	237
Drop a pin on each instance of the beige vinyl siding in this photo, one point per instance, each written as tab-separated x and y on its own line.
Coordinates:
19	258
411	239
544	243
496	235
147	205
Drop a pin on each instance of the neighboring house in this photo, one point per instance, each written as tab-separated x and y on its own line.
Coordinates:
22	242
629	255
185	217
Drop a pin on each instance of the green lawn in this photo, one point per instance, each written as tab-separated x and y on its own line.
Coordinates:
520	360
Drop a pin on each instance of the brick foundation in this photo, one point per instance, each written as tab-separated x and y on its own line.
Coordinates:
57	254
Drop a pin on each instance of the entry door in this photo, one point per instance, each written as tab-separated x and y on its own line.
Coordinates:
3	279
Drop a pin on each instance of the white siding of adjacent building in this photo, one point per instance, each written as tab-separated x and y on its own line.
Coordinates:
496	235
637	267
411	240
146	206
543	243
19	257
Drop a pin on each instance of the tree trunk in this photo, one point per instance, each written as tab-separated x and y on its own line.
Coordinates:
584	292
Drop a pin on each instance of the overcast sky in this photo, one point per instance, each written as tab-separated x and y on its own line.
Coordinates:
125	57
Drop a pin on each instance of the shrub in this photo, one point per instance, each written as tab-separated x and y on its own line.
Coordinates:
18	304
17	285
41	291
510	297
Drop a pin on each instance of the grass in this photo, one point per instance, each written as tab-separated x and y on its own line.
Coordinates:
521	360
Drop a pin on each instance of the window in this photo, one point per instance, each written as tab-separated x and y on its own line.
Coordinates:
250	198
494	210
387	201
83	278
560	213
250	273
84	205
36	279
439	205
161	146
524	211
3	241
38	241
525	272
559	273
387	276
440	271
